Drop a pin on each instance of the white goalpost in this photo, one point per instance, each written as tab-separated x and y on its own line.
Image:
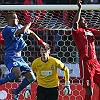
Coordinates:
53	26
49	16
49	7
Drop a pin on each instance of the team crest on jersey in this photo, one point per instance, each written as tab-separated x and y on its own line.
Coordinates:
15	63
52	67
39	66
12	30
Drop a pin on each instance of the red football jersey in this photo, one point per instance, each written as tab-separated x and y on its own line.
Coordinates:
85	42
1	39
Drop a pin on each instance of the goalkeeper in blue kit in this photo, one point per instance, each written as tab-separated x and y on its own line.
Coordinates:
14	44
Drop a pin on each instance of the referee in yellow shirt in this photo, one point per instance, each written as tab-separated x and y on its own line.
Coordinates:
47	76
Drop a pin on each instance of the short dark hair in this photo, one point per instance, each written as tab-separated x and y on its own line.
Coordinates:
47	46
10	15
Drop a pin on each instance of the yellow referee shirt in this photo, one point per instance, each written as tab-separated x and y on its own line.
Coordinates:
46	72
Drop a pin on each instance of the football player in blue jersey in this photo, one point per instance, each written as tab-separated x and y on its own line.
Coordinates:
14	44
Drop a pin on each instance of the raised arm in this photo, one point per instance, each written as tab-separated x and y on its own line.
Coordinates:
78	14
36	37
24	29
30	32
27	26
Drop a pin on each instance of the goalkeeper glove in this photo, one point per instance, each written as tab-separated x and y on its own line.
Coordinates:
66	89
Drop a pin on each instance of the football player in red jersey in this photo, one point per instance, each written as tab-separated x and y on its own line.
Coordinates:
84	39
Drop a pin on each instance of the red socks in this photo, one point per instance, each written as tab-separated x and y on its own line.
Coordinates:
99	95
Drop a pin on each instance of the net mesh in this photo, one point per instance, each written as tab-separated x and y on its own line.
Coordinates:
54	27
53	20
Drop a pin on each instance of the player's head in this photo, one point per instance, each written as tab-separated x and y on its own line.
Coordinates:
45	51
83	23
12	19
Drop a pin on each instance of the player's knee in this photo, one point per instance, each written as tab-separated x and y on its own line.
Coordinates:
17	72
18	75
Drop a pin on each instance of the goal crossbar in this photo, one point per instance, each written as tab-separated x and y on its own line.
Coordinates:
49	7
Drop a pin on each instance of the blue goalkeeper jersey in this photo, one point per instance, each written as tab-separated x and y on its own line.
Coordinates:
13	43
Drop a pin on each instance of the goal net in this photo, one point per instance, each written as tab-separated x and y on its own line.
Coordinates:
53	26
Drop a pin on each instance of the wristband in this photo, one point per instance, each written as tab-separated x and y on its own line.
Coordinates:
67	83
41	41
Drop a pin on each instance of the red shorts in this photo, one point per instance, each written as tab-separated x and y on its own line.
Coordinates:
90	72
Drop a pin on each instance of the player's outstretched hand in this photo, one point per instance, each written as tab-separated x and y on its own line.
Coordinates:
79	3
66	89
35	19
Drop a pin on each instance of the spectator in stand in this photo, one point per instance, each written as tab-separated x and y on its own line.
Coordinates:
5	1
86	1
2	1
11	2
72	1
20	2
91	1
94	1
55	1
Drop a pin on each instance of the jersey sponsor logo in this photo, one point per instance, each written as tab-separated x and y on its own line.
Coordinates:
52	67
46	73
88	33
87	82
12	30
15	63
38	66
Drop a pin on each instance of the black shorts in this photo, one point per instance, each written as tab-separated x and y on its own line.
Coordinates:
47	93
